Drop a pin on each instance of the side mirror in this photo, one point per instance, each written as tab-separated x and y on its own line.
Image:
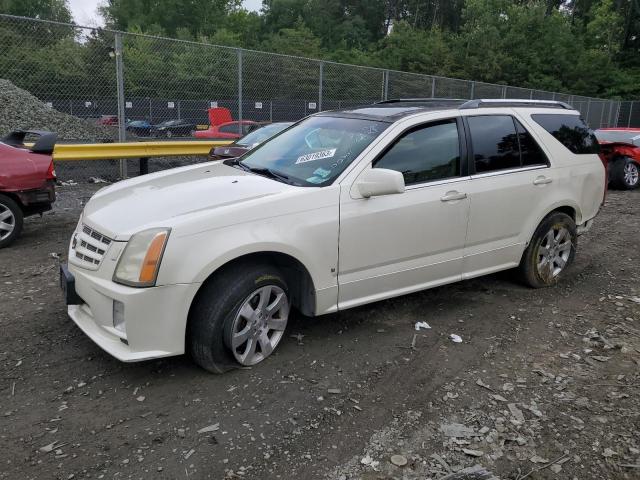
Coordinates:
380	181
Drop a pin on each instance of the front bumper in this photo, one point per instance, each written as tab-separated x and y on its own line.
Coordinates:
155	318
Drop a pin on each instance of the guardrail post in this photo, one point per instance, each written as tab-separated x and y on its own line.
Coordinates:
144	165
240	90
122	135
320	86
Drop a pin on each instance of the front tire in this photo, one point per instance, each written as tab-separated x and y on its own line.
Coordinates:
11	220
625	174
239	317
550	252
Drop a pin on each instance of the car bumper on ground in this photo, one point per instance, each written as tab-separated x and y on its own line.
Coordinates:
154	318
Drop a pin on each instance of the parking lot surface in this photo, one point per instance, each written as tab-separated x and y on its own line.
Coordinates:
545	383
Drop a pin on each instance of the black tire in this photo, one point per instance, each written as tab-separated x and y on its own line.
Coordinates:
8	204
215	308
619	173
530	272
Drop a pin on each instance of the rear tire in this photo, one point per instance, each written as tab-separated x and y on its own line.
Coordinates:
625	174
550	252
229	313
11	220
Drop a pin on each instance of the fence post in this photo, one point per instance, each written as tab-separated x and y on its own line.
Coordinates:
472	90
630	112
385	76
122	136
240	90
586	115
433	87
320	86
504	91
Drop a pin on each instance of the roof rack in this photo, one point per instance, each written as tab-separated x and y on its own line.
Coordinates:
501	102
420	100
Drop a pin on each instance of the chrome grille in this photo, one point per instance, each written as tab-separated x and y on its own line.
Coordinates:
89	247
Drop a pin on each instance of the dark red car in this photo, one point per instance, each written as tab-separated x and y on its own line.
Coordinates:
621	149
27	180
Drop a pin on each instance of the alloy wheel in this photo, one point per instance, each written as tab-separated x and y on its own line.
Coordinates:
554	252
631	174
259	325
7	222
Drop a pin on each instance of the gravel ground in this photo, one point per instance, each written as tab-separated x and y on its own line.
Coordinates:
545	383
21	110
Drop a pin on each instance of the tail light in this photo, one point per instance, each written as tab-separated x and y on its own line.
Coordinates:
51	172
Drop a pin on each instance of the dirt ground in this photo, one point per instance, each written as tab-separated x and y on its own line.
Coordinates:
545	384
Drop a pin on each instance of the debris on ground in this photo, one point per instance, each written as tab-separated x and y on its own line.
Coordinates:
422	325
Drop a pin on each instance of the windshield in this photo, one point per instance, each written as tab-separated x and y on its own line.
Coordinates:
315	151
618	136
261	134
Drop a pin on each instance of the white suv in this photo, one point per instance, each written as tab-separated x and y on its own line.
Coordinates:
341	209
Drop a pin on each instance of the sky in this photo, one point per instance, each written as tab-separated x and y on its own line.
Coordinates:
85	12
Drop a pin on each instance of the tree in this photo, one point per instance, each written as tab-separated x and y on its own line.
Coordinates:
57	10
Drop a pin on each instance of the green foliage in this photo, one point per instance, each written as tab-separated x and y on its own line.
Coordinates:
585	47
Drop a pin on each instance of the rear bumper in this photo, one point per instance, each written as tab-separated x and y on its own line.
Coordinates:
38	200
155	318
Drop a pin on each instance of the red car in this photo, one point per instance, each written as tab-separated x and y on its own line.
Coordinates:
621	148
27	180
227	131
222	127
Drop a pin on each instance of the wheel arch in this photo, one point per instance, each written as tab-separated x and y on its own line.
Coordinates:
296	274
568	207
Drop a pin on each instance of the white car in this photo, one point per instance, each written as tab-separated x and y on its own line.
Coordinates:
342	209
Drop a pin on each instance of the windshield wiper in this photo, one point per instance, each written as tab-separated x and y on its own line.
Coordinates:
267	172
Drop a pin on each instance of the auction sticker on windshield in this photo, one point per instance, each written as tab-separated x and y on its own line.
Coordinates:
310	157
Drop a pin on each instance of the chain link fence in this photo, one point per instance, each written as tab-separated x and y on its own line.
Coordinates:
97	85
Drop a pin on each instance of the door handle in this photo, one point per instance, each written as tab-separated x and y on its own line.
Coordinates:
542	181
452	196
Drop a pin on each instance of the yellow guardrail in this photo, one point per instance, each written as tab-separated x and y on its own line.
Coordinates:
109	151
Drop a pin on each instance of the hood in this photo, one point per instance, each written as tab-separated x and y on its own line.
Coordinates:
162	199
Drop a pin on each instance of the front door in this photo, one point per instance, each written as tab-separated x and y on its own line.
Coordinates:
396	244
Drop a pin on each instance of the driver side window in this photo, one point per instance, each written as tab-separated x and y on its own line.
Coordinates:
425	153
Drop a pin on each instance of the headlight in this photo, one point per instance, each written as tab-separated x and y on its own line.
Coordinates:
139	263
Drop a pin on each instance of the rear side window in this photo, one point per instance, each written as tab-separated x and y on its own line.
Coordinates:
530	151
501	142
569	130
495	143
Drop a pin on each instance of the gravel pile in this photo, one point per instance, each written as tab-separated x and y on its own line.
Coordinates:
21	110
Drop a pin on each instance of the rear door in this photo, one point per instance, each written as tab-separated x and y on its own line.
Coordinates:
510	176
